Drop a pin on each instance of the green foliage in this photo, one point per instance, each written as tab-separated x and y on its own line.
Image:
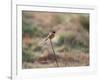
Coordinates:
70	39
60	41
28	26
85	49
79	44
33	31
66	38
37	48
28	56
84	20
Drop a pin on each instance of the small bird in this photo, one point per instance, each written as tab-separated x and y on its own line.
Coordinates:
51	35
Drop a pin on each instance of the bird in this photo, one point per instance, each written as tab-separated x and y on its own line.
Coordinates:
50	36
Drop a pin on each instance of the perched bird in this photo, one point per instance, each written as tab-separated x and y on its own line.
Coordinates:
51	35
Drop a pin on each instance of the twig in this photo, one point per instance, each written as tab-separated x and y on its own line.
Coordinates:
65	52
54	53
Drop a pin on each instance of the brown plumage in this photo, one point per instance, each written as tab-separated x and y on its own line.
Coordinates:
50	35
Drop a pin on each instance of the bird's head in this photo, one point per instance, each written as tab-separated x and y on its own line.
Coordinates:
53	32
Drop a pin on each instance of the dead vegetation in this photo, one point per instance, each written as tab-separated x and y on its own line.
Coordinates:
67	60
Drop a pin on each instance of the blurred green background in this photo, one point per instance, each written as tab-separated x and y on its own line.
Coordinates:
71	41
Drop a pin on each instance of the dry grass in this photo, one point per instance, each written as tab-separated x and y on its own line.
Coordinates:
64	60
